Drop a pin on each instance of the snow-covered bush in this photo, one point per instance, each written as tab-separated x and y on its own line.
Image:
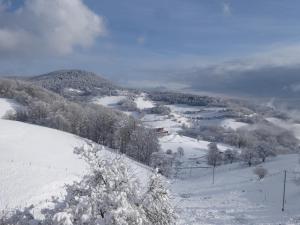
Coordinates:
169	152
156	203
160	109
127	105
260	172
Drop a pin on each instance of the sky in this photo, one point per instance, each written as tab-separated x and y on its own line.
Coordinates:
181	40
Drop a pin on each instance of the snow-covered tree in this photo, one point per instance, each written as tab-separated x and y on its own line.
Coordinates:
127	105
264	150
160	109
143	142
156	202
249	156
127	126
180	151
230	156
214	156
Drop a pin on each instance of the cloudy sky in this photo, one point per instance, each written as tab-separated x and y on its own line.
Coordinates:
227	40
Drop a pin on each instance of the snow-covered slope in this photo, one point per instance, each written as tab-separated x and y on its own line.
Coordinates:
237	196
231	123
36	162
6	105
143	103
109	101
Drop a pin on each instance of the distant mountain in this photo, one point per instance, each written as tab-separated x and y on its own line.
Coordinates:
72	83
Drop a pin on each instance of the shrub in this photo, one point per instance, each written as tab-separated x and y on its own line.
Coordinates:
260	172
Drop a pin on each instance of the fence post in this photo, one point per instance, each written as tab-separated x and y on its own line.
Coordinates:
283	197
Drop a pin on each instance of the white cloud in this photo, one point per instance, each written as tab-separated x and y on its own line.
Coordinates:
43	26
295	87
226	9
270	57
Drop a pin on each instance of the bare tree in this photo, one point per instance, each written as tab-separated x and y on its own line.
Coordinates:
230	156
214	156
264	150
249	156
180	151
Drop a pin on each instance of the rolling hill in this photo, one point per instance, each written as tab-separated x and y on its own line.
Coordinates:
71	83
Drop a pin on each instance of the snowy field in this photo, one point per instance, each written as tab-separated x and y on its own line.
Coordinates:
143	103
169	123
109	101
231	123
237	196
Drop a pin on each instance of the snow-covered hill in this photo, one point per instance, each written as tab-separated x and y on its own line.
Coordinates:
36	162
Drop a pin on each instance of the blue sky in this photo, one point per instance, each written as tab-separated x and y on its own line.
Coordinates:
200	27
142	38
187	33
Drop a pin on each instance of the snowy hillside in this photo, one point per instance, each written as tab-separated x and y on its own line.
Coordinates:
109	101
36	162
6	105
142	102
237	196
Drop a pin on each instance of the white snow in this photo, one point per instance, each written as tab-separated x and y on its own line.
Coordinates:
192	147
237	196
6	105
35	162
78	91
169	123
231	123
108	101
143	103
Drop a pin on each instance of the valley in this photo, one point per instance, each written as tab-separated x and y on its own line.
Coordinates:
36	162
